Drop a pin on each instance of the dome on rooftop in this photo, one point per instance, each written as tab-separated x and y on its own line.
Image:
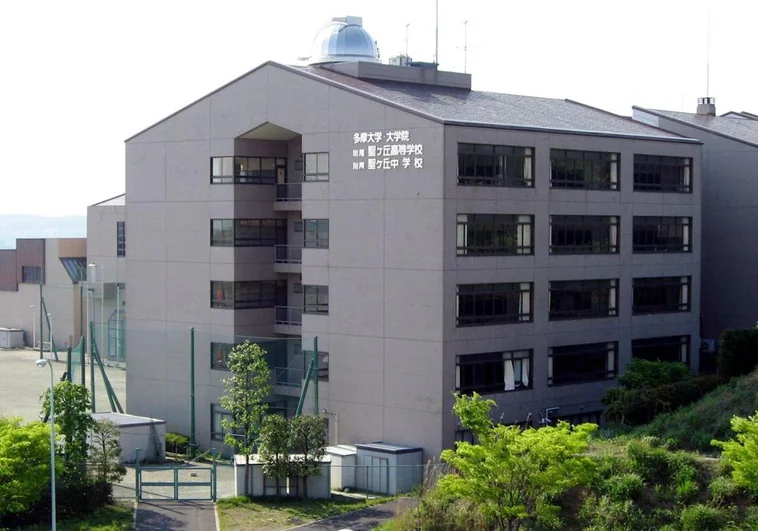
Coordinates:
343	39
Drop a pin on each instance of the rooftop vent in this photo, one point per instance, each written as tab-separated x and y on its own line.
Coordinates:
343	39
706	106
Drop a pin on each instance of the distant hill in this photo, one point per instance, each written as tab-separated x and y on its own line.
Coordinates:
24	226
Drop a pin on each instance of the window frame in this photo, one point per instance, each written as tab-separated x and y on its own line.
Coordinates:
321	304
583	288
237	169
120	239
218	433
485	363
270	294
500	226
683	342
469	158
319	235
486	296
319	172
231	232
561	159
32	274
224	349
646	165
644	224
575	224
684	283
609	349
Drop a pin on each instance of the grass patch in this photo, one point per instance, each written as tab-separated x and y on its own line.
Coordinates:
259	514
116	517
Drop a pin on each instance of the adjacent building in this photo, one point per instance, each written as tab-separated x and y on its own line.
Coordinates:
730	211
433	239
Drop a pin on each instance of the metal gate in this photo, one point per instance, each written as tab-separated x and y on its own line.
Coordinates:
188	481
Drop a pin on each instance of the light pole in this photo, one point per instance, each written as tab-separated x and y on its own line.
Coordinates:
34	327
41	363
50	330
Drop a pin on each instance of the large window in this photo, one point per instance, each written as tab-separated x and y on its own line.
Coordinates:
673	348
218	414
493	372
248	232
32	275
316	300
583	299
655	173
494	234
316	167
220	355
491	304
248	294
248	170
582	363
120	238
316	233
587	170
488	165
662	234
584	234
661	295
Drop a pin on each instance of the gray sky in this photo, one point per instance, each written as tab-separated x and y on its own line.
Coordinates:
79	77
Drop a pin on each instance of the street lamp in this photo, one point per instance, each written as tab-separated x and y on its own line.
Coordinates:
41	363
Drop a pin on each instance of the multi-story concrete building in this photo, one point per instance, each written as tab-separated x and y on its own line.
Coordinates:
434	238
730	215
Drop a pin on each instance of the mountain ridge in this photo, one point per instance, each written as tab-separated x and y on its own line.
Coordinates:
13	226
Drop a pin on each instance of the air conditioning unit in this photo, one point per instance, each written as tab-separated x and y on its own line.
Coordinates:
708	346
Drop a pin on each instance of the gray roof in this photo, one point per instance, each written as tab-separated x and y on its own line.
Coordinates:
388	448
119	200
493	109
126	420
741	128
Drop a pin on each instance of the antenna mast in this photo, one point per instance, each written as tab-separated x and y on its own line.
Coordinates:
465	45
708	58
406	40
437	31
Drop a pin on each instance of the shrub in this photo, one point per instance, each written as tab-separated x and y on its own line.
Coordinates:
623	487
439	511
604	514
738	352
741	453
722	489
702	518
644	374
649	460
177	443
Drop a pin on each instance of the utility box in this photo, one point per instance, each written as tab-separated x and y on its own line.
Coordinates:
385	468
147	434
343	466
11	338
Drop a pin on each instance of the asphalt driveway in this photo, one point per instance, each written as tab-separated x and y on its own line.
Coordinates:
169	515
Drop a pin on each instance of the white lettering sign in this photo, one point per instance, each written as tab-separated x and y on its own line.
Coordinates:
386	150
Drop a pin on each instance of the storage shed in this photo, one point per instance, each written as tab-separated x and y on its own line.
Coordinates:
147	434
386	468
343	466
11	338
260	485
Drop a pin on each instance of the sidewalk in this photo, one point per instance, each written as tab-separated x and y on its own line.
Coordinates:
363	519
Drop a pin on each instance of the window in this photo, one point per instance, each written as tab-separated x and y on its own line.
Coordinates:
323	366
316	233
662	234
494	234
31	274
76	269
655	173
491	304
316	300
248	232
316	167
488	165
493	372
583	299
586	170
582	363
661	295
218	414
220	355
120	238
673	348
247	170
584	234
248	294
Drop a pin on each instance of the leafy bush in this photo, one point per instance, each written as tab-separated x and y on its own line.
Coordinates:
741	453
702	518
440	511
605	514
177	443
644	374
624	487
649	460
738	352
722	489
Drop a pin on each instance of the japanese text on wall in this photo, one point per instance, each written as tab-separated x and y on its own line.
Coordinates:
386	150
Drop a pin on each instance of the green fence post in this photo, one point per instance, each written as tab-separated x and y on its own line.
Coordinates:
315	375
192	392
214	476
176	483
68	363
137	476
41	333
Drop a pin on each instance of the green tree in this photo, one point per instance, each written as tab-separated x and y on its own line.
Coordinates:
24	464
244	397
514	475
105	452
274	449
73	422
308	447
742	453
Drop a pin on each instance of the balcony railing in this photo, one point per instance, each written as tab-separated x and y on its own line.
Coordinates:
289	254
288	377
289	192
289	315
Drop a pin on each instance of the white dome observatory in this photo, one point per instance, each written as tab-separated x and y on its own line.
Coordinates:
343	39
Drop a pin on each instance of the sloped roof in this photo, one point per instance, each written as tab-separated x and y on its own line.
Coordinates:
742	129
119	200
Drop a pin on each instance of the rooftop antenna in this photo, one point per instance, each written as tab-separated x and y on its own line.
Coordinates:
708	58
436	31
465	45
406	38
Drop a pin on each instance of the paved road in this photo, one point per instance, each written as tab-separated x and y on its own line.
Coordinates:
169	515
363	520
